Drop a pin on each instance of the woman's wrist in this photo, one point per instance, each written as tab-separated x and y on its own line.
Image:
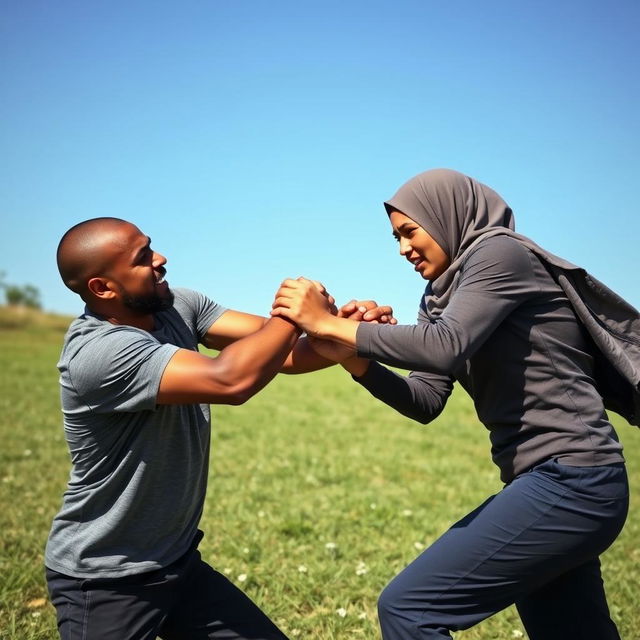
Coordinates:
341	330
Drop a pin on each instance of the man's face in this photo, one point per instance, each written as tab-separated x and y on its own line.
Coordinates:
137	272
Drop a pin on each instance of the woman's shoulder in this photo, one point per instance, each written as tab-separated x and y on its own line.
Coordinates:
500	250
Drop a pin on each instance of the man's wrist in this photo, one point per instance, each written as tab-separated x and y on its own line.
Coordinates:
356	366
298	331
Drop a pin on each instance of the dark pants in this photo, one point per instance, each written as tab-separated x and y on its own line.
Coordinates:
186	601
535	544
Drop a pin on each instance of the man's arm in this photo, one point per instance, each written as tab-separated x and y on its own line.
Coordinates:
236	374
235	325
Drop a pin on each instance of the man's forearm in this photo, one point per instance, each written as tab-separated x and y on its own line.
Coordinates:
254	360
356	366
303	359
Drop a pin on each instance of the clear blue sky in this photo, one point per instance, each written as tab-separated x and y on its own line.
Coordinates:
257	140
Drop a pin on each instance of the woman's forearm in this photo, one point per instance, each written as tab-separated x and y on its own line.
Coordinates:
340	330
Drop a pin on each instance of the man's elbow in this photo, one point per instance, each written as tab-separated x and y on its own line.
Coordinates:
238	396
236	390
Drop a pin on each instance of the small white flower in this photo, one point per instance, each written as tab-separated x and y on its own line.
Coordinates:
373	505
407	513
311	479
418	545
261	514
245	550
242	577
302	569
362	616
226	571
342	612
295	632
516	633
361	569
331	546
27	452
35	614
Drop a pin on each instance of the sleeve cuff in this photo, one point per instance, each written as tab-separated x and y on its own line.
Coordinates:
370	376
364	333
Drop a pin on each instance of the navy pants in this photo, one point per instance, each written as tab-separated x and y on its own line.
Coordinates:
186	601
535	544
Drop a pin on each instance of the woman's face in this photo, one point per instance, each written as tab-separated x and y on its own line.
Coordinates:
418	247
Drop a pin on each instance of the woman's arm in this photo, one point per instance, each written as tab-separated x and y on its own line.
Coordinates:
495	279
420	396
233	325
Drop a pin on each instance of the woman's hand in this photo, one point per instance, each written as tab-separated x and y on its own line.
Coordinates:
357	310
367	311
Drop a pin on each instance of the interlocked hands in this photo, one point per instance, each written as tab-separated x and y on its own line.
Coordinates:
309	305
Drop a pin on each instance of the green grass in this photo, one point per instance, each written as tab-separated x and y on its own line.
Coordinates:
318	495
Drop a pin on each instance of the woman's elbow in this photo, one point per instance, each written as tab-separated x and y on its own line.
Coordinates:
425	418
427	414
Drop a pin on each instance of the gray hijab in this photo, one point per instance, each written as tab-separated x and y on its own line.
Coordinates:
459	212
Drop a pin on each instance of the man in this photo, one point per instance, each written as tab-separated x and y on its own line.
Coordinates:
122	560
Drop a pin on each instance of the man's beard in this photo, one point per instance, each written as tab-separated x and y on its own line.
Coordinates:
148	304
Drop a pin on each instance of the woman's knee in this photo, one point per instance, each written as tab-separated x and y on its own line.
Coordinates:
396	604
389	601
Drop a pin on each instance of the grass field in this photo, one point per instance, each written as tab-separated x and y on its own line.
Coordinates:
318	496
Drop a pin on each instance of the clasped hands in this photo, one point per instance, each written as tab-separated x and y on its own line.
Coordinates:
308	304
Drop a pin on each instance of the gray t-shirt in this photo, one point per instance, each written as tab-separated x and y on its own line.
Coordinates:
512	340
139	470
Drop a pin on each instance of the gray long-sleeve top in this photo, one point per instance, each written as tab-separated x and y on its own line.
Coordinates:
511	339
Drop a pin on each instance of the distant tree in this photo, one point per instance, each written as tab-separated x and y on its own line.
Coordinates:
26	296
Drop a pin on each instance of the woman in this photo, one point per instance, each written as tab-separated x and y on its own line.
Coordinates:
500	316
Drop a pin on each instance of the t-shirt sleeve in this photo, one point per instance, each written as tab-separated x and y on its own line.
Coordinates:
119	371
204	311
495	278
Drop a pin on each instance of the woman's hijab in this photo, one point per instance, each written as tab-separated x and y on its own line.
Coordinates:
456	211
459	212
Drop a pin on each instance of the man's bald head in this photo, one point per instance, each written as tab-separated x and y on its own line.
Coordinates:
86	250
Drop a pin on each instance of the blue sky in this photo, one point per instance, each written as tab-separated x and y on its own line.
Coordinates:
255	141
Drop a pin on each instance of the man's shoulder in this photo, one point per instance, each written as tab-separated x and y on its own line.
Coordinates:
88	327
182	293
186	301
88	331
195	308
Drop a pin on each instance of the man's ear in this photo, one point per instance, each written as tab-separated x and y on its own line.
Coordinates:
101	288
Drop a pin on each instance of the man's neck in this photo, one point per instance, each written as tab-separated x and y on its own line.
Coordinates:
145	322
126	317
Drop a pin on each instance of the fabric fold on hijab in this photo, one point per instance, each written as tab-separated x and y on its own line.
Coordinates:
459	212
